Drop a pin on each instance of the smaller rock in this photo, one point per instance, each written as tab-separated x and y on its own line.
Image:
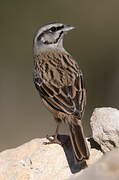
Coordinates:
105	127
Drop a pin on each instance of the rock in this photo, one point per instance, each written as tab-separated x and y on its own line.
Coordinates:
95	152
105	127
36	161
107	168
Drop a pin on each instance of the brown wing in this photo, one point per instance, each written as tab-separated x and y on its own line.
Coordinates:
60	82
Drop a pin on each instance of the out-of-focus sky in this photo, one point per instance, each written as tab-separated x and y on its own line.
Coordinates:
94	43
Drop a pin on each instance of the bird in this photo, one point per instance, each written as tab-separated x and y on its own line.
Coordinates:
60	83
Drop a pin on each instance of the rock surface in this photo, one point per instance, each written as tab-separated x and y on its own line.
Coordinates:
105	127
36	161
107	168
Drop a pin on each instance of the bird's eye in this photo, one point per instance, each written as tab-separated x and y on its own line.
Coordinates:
53	29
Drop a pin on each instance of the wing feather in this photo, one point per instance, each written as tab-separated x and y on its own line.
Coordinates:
60	85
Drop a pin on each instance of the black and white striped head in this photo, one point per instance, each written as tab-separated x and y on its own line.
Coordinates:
50	36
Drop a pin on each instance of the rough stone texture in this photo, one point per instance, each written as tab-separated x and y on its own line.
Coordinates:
105	127
107	168
36	161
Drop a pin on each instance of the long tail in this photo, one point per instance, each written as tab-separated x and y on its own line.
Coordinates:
78	141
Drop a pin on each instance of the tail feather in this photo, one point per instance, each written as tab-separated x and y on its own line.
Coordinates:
78	141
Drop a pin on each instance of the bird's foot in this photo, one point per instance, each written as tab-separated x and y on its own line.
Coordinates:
53	139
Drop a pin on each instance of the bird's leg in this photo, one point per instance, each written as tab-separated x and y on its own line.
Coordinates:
54	138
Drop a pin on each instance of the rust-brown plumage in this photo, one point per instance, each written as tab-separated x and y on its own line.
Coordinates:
60	83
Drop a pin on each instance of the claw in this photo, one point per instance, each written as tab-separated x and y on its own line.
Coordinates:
53	139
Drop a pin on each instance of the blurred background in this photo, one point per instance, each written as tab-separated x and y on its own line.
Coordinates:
94	43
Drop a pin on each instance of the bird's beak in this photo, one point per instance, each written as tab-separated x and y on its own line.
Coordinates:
68	28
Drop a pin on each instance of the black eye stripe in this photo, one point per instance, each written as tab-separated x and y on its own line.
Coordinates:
60	27
54	29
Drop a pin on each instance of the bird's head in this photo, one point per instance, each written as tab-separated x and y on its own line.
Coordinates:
50	36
